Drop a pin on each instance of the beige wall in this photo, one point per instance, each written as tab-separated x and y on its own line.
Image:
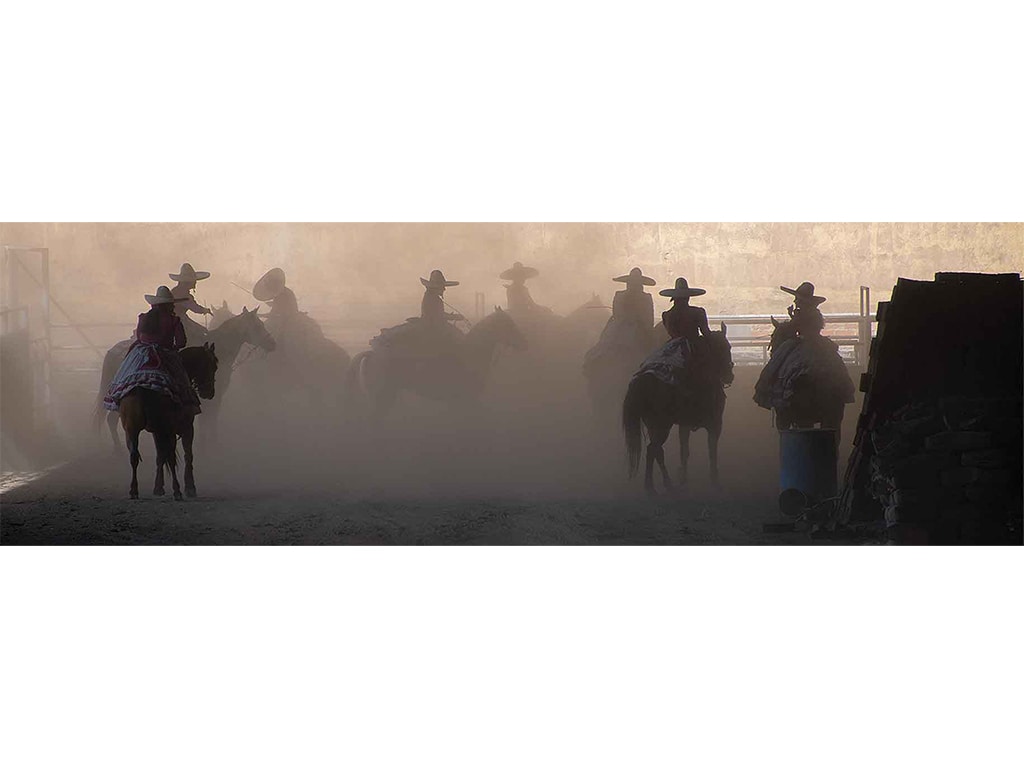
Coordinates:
365	275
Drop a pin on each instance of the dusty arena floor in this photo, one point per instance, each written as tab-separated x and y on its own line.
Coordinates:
83	502
532	470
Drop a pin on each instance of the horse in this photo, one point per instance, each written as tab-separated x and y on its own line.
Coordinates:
805	381
229	336
381	375
147	409
699	404
219	315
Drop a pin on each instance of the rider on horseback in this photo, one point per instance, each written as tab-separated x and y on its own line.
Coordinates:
627	336
683	321
519	299
152	361
187	278
804	314
634	305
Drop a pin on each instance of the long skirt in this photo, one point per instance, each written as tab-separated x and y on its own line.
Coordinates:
152	367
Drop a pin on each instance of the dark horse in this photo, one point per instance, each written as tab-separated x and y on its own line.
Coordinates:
146	409
229	336
698	404
460	377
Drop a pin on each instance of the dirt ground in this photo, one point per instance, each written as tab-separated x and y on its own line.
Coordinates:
85	503
527	467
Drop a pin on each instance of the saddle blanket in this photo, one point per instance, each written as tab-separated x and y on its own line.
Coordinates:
155	368
669	363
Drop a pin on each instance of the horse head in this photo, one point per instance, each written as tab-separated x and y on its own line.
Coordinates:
200	364
720	355
254	331
500	328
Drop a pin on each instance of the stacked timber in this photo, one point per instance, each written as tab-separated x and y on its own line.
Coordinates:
937	451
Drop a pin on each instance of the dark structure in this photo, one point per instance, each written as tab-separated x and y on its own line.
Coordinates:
937	454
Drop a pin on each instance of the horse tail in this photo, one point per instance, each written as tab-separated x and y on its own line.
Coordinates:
353	388
632	407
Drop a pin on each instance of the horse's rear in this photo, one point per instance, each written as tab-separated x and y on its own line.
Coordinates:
146	410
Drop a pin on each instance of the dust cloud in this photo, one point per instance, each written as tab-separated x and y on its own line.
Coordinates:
286	424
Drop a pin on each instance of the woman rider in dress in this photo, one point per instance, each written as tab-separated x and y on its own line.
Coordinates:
153	357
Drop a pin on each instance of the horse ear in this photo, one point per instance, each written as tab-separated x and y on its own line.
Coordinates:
256	309
725	328
245	310
775	323
213	347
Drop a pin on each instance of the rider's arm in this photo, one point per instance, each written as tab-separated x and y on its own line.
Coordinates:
702	322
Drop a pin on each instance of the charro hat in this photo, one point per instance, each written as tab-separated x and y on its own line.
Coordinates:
188	274
518	272
269	286
804	292
682	289
437	280
163	296
635	275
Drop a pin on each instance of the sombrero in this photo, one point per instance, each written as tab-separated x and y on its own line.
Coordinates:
189	275
163	296
682	290
805	292
635	275
519	272
269	286
437	280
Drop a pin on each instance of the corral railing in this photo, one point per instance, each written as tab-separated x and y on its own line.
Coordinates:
751	334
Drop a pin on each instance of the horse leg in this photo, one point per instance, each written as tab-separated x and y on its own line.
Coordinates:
158	481
187	436
131	438
167	443
112	419
656	453
713	435
684	454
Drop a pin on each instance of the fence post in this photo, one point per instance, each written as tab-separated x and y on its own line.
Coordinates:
864	326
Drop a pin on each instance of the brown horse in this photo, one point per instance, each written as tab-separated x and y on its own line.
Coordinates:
229	337
145	409
699	404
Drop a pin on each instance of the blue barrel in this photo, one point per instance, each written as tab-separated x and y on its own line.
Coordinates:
808	463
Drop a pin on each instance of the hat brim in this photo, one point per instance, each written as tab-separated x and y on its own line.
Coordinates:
155	300
269	286
676	293
445	284
190	278
524	273
643	280
815	299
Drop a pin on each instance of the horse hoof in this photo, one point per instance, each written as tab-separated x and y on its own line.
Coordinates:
190	492
158	491
133	494
178	496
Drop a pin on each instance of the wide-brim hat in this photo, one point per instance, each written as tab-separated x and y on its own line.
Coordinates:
682	289
189	275
804	292
518	272
269	286
437	280
635	276
163	296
